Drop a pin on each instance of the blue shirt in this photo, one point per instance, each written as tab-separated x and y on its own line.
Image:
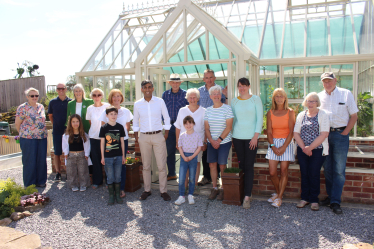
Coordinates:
174	102
205	100
58	108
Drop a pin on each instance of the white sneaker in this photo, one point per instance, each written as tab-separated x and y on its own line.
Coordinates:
83	189
180	200
191	200
273	197
75	189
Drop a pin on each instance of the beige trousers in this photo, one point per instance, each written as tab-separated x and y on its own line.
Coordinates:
77	170
158	144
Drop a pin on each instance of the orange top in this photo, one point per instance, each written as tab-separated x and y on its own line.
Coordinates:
280	125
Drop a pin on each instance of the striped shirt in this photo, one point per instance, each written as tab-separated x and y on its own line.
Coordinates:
216	118
205	100
174	102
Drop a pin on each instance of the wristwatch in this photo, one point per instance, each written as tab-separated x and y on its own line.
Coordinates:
271	145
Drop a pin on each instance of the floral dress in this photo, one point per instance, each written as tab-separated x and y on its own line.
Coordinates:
33	121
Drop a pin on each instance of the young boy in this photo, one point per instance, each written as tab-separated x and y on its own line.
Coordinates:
113	153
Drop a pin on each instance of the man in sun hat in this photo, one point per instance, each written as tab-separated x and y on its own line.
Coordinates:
175	98
343	116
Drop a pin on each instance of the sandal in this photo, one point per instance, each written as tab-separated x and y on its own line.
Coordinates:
277	203
273	197
123	194
302	204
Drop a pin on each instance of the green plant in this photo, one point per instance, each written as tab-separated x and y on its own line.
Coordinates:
232	170
130	160
365	115
10	196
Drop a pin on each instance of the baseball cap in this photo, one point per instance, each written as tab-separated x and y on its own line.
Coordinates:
328	75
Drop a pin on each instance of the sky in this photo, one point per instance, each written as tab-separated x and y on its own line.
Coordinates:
59	36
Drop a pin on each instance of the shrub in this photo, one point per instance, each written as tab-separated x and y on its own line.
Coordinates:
232	170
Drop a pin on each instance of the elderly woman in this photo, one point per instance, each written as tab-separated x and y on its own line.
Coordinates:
311	134
218	121
30	124
124	117
93	113
280	124
79	106
248	118
197	112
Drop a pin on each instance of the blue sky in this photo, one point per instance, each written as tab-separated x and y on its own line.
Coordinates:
59	36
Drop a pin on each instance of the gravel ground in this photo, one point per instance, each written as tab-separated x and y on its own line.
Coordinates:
83	220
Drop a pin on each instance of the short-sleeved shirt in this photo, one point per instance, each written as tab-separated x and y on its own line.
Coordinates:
33	121
124	116
190	142
58	108
198	117
216	118
174	102
205	100
93	114
112	135
340	104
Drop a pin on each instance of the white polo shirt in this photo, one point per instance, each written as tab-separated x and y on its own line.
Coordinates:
340	104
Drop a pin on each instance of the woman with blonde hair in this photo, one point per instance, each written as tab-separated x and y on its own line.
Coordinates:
280	125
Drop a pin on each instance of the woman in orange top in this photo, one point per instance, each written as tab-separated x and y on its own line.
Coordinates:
280	124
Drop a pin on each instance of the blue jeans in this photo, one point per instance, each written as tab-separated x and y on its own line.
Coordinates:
170	147
123	173
184	166
334	166
113	168
34	160
310	168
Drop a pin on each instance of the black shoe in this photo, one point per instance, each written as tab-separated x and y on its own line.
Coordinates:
336	208
41	186
325	202
58	177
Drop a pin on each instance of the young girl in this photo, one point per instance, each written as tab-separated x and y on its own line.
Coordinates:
76	148
189	144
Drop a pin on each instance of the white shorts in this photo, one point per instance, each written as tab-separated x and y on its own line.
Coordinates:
288	155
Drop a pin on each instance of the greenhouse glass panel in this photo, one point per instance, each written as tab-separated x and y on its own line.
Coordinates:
344	75
157	54
294	82
317	43
313	78
197	49
294	40
269	80
216	49
173	34
359	28
272	39
341	36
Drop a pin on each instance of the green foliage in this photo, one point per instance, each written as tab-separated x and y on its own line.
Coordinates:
10	196
267	106
365	115
232	170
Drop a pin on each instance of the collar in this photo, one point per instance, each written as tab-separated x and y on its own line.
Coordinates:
153	98
171	91
333	92
206	89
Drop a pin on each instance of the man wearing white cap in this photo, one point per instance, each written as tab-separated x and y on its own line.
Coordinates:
343	116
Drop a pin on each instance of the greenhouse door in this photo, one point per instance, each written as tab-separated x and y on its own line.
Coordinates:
159	78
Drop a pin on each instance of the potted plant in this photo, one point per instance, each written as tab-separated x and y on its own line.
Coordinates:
132	174
6	138
233	185
17	139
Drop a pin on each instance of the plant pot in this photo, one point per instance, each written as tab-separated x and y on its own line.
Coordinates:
6	140
233	185
17	141
132	177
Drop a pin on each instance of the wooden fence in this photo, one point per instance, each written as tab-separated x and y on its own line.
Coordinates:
12	91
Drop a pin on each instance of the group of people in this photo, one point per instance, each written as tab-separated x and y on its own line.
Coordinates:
203	127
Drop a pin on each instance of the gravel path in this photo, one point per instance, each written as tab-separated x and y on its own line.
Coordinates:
83	220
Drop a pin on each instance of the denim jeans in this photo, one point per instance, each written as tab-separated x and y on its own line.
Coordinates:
113	169
34	160
184	166
123	173
310	169
334	166
171	148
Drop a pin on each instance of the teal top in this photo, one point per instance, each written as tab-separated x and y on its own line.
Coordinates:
248	117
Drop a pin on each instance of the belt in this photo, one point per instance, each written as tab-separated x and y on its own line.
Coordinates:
338	129
151	132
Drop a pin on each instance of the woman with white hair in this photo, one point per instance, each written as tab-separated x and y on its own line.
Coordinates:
197	112
93	114
311	132
218	122
79	106
30	124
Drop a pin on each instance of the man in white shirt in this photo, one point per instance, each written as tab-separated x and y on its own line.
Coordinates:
343	116
148	113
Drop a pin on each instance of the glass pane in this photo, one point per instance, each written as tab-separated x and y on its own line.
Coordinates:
313	78
157	54
174	34
272	40
344	75
317	43
294	40
216	49
294	82
341	36
269	80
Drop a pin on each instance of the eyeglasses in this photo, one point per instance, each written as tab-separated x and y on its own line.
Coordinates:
32	96
61	89
312	101
96	95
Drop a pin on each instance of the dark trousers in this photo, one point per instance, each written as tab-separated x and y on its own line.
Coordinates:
34	160
123	172
97	167
310	168
246	159
171	148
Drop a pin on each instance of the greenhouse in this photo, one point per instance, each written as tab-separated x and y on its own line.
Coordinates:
283	43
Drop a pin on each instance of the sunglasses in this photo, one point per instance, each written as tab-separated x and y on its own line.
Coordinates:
61	89
96	95
32	96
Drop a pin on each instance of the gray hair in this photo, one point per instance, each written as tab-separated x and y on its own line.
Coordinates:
79	86
314	96
215	88
31	89
96	89
193	90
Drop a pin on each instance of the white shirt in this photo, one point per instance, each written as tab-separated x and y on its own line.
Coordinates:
198	117
340	104
93	114
78	108
86	147
147	115
124	116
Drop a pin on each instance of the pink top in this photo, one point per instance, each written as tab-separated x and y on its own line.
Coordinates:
190	142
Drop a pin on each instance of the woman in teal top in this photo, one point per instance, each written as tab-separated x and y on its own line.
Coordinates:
248	115
79	106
